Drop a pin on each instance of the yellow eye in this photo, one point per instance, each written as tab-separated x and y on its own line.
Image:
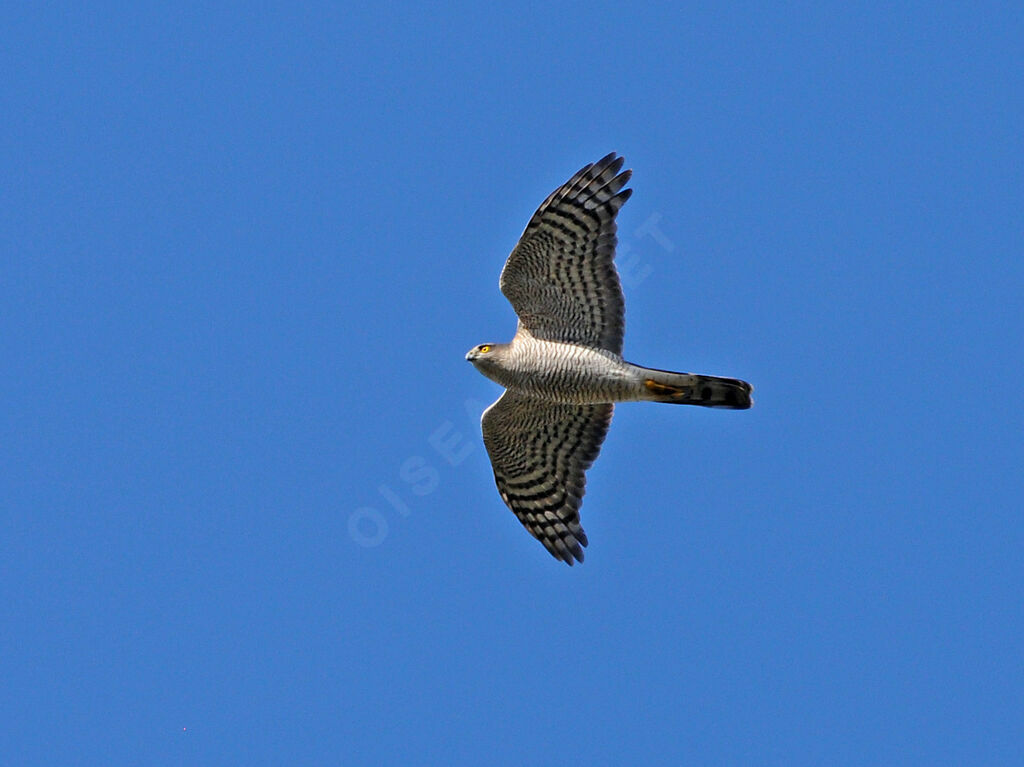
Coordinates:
485	348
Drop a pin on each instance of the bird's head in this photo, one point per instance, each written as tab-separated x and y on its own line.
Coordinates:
483	354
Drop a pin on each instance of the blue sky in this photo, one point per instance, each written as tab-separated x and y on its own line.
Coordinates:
247	517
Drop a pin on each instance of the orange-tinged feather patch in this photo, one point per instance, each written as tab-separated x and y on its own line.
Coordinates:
662	390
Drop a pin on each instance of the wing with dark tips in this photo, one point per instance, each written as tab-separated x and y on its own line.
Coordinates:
561	277
540	451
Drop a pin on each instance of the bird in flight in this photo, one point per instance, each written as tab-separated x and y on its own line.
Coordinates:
563	369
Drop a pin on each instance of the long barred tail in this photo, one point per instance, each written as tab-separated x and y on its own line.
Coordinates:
692	389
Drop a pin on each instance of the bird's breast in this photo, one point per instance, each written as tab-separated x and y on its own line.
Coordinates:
567	372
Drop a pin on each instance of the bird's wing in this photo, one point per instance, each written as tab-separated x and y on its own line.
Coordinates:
561	277
539	451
